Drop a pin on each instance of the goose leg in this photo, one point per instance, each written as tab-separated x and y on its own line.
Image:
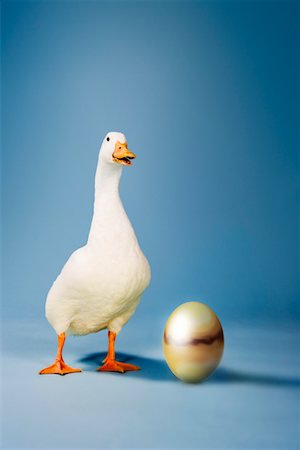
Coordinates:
110	363
59	367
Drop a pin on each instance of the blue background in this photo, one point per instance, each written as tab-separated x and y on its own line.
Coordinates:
207	95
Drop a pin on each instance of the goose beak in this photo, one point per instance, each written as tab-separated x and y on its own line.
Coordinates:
122	155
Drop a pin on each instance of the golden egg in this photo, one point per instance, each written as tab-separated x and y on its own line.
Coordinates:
193	342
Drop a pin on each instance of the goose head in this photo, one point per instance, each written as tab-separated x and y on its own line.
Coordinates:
114	149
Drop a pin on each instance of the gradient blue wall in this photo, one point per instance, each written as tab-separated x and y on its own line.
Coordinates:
207	95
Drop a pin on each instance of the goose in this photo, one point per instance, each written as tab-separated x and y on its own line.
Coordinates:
101	284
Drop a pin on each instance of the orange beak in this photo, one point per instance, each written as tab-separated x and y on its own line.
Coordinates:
122	155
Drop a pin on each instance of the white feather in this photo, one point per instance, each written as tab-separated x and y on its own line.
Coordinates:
101	283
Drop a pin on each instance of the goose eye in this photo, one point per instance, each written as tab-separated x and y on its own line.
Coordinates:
107	138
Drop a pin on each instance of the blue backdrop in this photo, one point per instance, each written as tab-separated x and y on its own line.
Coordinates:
207	94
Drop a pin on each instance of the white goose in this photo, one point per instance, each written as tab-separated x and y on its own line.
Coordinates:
101	284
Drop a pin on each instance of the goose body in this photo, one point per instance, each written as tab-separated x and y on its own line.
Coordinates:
101	284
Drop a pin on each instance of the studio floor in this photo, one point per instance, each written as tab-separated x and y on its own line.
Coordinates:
252	400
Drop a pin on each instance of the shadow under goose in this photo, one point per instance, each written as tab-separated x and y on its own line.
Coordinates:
157	370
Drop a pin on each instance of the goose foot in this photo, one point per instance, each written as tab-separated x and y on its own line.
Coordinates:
59	368
111	365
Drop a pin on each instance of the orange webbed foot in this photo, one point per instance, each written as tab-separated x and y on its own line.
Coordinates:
111	365
59	368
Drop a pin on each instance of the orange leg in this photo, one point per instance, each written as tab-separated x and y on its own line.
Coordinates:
59	367
110	363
